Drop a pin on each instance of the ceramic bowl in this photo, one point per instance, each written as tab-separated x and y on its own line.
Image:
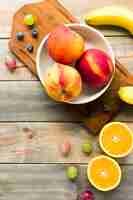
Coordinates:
93	39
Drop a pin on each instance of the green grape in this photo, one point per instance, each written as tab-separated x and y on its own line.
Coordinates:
29	20
87	147
72	173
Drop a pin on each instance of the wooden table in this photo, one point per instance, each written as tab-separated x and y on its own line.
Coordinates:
31	165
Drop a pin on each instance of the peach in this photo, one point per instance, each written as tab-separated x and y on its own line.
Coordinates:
64	45
95	67
62	82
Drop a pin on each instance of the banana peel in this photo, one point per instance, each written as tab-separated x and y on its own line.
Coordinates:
111	15
126	94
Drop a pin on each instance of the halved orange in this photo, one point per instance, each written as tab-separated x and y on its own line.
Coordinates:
116	139
104	173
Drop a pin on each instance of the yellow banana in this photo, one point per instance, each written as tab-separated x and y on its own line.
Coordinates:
111	15
126	94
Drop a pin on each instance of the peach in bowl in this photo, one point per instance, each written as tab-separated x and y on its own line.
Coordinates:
94	62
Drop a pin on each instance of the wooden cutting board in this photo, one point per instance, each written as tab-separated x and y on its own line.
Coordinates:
49	14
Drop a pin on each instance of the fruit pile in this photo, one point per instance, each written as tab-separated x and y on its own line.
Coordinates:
114	16
104	172
74	64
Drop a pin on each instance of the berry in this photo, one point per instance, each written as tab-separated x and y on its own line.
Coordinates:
87	147
86	195
29	20
34	33
29	48
20	35
72	173
10	63
65	148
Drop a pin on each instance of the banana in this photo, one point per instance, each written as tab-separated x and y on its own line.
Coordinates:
111	15
126	94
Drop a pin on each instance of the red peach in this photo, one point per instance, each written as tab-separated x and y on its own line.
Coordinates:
62	82
64	45
95	67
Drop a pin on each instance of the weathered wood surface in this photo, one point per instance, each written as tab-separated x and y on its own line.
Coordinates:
21	73
122	46
39	182
79	9
41	142
26	101
22	99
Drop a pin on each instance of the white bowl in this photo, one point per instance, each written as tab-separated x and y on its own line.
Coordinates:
94	39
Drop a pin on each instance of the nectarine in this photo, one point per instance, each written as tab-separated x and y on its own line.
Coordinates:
62	82
64	45
95	67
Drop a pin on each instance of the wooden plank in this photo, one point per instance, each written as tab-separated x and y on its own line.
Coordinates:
26	101
81	8
122	46
125	55
48	182
41	142
21	73
9	7
127	62
7	10
18	146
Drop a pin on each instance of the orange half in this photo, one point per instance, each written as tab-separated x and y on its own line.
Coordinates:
104	173
116	139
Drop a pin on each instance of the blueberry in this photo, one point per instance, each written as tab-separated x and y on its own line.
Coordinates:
29	48
20	35
34	33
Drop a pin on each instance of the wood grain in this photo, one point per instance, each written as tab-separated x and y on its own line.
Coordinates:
26	101
21	73
41	142
82	8
125	55
122	46
9	7
18	146
39	182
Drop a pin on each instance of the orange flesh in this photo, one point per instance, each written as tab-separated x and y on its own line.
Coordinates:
116	139
104	173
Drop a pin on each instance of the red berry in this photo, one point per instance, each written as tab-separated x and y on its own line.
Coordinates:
10	63
86	195
65	148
